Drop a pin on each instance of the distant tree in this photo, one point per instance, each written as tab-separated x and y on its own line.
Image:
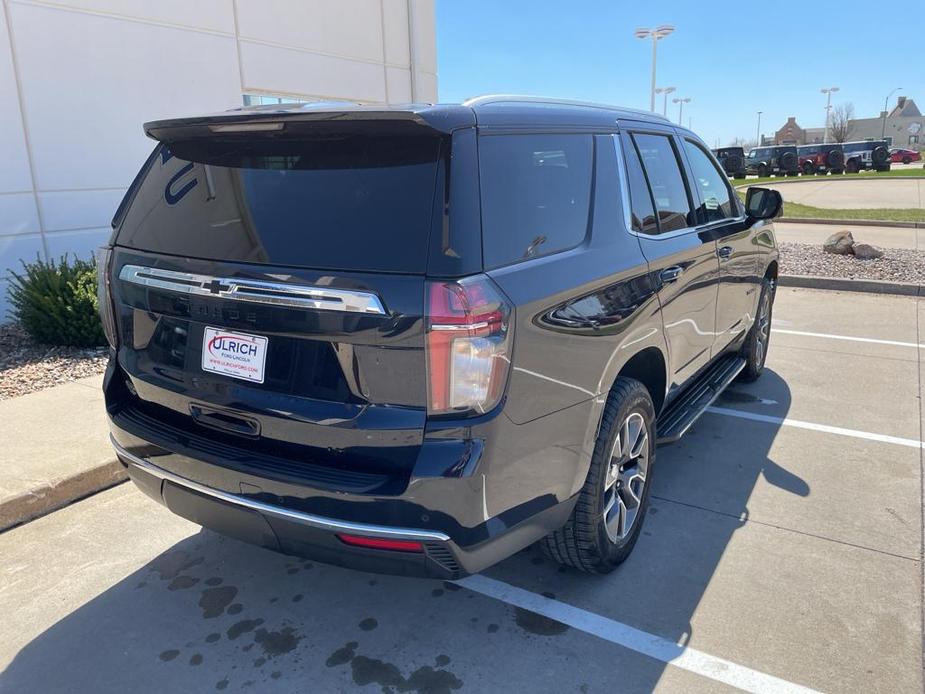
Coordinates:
743	142
840	125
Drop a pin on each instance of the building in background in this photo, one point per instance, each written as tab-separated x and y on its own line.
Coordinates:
901	127
79	77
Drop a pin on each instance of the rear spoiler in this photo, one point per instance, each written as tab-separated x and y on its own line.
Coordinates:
312	118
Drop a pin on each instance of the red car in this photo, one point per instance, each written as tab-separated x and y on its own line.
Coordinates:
904	156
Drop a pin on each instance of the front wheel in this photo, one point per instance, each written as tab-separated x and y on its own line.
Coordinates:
755	348
612	504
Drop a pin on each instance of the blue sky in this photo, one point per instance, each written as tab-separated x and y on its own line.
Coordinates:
585	49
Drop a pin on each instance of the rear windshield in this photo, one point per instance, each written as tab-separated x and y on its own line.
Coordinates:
353	202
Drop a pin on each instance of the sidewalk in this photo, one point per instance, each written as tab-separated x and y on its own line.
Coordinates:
882	237
55	450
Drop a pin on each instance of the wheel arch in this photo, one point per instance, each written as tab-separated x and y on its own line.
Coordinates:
649	367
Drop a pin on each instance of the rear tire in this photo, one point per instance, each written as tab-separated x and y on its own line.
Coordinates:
763	171
851	167
755	347
612	504
907	160
808	169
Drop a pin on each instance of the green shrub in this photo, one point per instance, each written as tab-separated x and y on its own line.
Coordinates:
56	303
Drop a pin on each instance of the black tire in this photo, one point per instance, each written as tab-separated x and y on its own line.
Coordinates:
852	166
907	160
755	347
808	169
585	542
739	176
763	171
880	156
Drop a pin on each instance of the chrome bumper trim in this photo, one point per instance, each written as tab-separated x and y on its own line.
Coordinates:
320	522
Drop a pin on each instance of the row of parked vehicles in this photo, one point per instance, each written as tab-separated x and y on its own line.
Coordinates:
791	160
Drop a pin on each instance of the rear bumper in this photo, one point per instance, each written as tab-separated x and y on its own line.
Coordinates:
313	536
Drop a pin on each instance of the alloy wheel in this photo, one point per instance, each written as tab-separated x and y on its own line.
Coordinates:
626	477
764	329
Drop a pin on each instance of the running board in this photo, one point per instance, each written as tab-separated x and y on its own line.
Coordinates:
674	422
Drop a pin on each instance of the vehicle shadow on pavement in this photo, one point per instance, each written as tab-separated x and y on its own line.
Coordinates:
700	499
212	614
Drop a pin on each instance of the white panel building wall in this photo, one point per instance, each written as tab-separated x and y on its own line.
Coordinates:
79	77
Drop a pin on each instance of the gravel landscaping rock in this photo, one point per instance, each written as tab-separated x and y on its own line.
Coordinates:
895	265
26	366
839	243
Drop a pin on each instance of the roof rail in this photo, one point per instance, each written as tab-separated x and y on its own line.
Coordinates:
523	98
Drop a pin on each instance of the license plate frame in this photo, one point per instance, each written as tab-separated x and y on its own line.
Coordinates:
234	354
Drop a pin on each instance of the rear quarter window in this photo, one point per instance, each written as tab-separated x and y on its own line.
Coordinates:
536	194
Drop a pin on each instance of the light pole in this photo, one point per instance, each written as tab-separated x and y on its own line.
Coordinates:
655	34
886	103
758	134
680	103
666	91
828	91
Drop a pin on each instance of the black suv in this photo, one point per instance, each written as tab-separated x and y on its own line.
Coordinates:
870	154
418	339
779	160
732	160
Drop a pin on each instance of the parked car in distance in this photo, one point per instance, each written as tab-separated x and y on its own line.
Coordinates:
417	339
777	160
869	154
732	160
821	159
898	155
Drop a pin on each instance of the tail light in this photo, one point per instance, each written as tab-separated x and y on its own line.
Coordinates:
104	294
468	346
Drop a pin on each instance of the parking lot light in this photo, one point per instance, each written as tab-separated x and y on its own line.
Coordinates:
828	91
680	102
655	34
666	91
886	104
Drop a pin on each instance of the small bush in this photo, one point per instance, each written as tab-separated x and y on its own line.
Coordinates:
56	303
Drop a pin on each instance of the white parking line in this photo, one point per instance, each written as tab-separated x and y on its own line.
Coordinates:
849	338
657	647
799	424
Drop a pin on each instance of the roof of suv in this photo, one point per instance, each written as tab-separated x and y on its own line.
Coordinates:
499	109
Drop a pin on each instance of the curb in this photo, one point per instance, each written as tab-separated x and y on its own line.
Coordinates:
830	179
846	285
52	496
851	222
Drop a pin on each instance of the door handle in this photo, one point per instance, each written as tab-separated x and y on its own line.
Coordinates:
670	274
222	421
725	253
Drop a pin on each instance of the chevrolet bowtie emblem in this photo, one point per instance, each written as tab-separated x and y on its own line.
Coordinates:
216	287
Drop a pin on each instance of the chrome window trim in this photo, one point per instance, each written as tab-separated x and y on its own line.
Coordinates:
254	291
627	214
320	522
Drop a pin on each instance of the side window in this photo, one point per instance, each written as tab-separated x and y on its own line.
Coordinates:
666	182
643	218
536	194
714	190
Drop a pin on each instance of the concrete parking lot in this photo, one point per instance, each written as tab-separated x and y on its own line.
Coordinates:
856	192
783	550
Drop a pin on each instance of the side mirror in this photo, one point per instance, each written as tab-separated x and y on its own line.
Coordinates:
763	203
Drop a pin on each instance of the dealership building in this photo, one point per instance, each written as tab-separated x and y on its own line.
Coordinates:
79	77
